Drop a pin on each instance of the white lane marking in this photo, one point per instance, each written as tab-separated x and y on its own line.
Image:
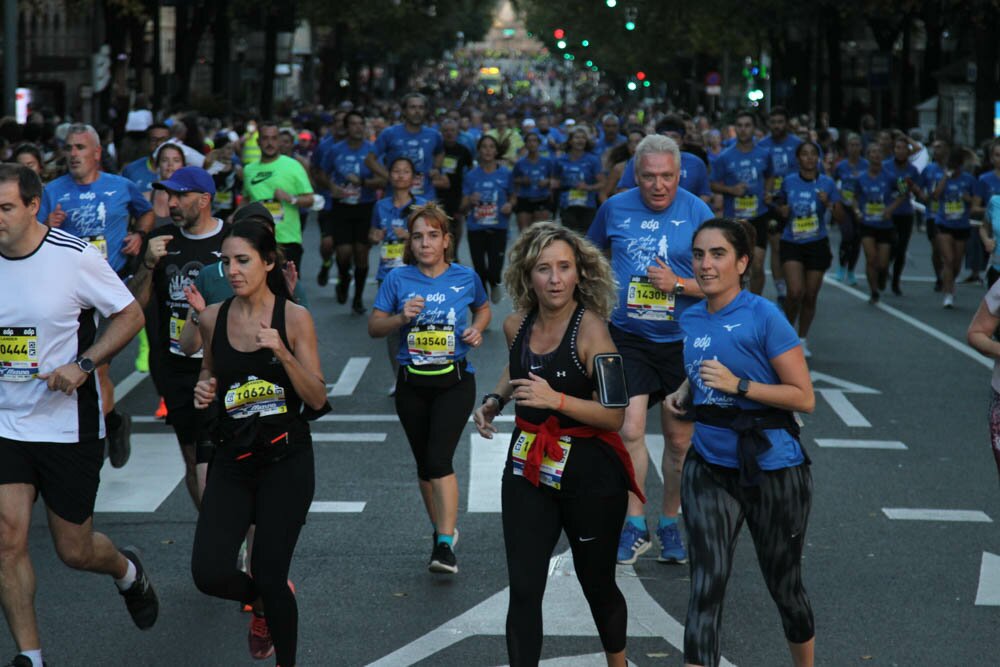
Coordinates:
348	437
835	398
564	608
912	514
336	506
153	472
654	444
349	377
133	380
988	593
486	462
860	444
960	347
589	660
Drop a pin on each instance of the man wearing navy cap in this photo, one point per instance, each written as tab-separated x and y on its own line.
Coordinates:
173	257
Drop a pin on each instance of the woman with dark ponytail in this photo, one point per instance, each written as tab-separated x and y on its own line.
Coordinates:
745	375
261	363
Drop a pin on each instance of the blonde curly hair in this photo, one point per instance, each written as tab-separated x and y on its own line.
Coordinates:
597	289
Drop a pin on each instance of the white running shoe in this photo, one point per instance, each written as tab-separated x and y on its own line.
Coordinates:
949	300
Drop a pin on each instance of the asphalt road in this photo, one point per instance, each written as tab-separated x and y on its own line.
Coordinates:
885	591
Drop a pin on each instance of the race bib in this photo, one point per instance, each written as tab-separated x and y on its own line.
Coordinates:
18	353
874	210
805	226
255	397
276	209
577	197
954	210
778	180
431	344
224	199
449	165
352	194
550	473
393	252
98	242
746	207
418	184
646	302
486	214
847	196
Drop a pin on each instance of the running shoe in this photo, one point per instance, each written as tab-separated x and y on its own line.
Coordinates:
142	356
938	285
161	410
392	389
671	545
20	660
454	539
874	298
120	443
343	285
949	301
841	273
496	293
443	560
324	274
632	544
852	279
259	638
358	307
140	598
972	278
897	291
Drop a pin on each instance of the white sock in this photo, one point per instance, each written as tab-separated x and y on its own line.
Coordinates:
35	656
126	582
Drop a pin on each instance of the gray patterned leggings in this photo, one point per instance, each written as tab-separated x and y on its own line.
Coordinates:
715	507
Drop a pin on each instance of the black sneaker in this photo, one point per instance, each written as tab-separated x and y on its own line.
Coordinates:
120	443
324	274
20	660
358	307
140	598
443	560
342	287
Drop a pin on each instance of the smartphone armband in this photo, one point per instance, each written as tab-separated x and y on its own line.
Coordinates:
609	370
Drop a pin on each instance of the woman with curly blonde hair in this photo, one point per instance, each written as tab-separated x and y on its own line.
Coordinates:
567	469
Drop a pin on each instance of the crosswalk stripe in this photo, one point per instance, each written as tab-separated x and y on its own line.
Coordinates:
349	377
336	506
349	437
859	444
912	514
153	472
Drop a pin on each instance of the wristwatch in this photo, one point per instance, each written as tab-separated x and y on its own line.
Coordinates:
679	287
743	387
498	398
86	365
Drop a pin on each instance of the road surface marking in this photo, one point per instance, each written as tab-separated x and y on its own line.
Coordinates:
906	514
838	401
349	377
336	506
133	380
486	462
348	437
152	473
564	608
860	444
989	581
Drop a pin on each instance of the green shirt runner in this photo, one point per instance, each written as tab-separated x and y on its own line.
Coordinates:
261	179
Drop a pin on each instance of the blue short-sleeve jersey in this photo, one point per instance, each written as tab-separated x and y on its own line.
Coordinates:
341	161
846	175
806	213
929	178
752	167
873	194
899	175
744	336
536	171
420	147
637	236
783	160
570	172
989	185
694	175
953	209
141	173
390	218
494	189
551	141
98	212
447	301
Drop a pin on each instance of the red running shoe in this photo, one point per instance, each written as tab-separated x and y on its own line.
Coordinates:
161	411
259	638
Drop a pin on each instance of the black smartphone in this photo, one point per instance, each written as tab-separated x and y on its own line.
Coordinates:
611	388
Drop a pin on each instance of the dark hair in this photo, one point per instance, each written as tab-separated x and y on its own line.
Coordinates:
740	234
798	149
352	112
435	216
268	123
957	158
746	113
501	145
29	185
157	126
169	145
403	158
778	111
620	152
260	236
28	149
671	123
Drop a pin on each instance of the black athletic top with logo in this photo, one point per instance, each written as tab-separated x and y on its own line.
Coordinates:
592	467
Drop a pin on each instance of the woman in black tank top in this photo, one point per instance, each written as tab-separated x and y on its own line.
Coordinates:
261	364
567	469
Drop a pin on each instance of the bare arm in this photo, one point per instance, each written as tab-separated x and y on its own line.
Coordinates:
794	392
372	163
980	333
302	365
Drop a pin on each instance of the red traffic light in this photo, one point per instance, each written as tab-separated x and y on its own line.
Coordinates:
558	33
641	76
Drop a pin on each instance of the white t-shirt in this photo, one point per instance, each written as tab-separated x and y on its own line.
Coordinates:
48	317
993	305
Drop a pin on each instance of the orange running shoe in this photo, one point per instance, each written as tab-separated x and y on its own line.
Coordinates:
259	638
161	411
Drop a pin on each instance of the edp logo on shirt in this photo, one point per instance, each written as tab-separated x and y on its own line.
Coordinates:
651	225
437	297
702	343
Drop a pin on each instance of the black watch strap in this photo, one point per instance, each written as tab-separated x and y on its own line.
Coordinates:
499	399
743	387
86	365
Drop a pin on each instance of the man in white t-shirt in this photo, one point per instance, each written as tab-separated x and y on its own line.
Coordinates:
51	424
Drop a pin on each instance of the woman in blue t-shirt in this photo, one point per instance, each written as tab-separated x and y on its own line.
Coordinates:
428	302
746	373
579	177
533	182
954	193
875	199
805	245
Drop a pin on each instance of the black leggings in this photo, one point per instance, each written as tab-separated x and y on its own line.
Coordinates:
433	420
533	518
904	228
276	497
487	247
577	218
850	241
715	507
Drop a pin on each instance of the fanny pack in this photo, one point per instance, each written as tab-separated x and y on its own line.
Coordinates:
435	376
251	440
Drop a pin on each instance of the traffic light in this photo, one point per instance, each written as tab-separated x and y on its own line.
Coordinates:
585	43
641	76
630	25
611	3
631	85
561	44
558	33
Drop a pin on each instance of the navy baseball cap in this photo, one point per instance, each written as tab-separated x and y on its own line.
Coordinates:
188	179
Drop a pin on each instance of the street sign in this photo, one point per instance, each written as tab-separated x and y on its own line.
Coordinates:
713	79
713	90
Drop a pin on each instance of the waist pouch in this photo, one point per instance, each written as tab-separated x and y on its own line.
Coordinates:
749	426
251	439
435	376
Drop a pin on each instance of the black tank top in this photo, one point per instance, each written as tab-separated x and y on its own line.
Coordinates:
592	468
252	383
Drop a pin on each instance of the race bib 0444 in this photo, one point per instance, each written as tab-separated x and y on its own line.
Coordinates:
18	353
